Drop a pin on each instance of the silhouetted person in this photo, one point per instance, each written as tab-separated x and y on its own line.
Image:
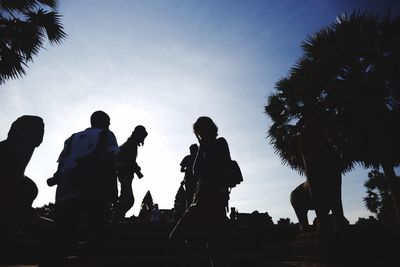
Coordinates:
155	214
323	172
187	168
17	192
127	168
86	181
207	213
233	215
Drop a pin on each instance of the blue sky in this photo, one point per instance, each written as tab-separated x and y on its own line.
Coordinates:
165	63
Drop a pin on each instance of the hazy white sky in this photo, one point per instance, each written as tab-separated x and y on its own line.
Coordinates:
163	64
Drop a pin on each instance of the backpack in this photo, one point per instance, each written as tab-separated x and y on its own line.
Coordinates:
90	166
233	174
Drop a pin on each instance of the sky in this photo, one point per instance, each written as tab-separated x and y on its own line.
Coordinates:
163	64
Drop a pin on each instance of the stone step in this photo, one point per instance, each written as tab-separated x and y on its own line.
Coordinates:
305	246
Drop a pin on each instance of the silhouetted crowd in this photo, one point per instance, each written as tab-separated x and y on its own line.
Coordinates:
89	166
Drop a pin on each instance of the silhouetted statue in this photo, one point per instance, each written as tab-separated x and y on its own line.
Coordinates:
86	180
207	213
300	198
187	168
127	167
324	178
17	191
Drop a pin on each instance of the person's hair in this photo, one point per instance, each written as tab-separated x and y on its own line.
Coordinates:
140	130
205	123
100	119
137	133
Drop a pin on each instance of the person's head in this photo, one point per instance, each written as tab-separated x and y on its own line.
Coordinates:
27	130
139	134
100	119
193	149
205	129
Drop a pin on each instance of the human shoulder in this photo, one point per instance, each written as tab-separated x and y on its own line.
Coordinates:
3	144
221	141
67	147
69	139
111	134
185	160
112	143
222	145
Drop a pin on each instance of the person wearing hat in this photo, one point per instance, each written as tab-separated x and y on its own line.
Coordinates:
127	167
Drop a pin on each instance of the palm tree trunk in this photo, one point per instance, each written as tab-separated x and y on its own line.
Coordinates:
390	175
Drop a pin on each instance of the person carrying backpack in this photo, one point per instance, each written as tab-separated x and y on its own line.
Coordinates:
206	215
86	182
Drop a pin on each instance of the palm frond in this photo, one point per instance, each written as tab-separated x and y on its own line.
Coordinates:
11	65
348	75
53	4
25	26
27	5
49	22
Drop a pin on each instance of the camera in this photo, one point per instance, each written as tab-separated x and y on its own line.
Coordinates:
51	181
139	174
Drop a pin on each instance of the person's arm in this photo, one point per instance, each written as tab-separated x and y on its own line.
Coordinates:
224	161
184	164
224	152
111	157
132	154
64	153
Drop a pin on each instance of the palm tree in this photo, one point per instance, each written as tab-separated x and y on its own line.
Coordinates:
24	27
348	76
378	198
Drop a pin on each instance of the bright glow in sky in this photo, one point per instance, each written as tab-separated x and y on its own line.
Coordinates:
163	64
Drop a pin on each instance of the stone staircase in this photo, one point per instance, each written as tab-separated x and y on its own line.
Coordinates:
145	244
148	245
357	246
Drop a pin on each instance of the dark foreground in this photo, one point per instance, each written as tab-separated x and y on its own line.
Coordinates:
142	244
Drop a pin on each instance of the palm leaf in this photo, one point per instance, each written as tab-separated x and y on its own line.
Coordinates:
49	22
24	27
